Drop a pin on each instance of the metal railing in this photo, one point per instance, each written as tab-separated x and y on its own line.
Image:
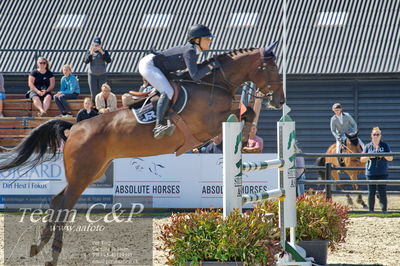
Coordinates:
328	168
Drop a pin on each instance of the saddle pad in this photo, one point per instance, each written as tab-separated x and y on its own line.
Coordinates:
146	114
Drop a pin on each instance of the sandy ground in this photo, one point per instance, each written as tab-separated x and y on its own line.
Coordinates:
370	241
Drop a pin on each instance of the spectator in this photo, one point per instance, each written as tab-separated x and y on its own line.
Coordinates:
300	173
87	111
215	146
97	58
376	168
69	90
255	144
2	94
126	100
41	82
106	101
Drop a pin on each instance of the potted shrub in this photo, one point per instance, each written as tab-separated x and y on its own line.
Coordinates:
321	223
204	236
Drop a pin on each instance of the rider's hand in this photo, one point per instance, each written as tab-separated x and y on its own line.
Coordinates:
215	63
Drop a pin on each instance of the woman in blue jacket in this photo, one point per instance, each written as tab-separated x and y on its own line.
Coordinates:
155	66
376	168
69	91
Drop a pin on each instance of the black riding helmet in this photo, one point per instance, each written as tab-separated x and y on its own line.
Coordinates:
198	31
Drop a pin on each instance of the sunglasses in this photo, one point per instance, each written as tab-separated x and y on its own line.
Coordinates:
376	135
42	63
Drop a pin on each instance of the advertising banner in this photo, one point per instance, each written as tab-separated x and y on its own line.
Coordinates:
187	181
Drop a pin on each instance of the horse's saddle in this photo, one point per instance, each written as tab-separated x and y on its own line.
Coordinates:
144	104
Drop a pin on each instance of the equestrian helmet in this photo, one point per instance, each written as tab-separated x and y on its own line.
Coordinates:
336	106
198	31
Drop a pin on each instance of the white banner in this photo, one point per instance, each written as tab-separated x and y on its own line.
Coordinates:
187	181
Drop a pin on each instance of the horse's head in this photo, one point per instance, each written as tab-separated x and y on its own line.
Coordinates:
352	142
267	79
256	65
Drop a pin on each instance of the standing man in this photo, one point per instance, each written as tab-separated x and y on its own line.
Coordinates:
97	58
376	168
341	124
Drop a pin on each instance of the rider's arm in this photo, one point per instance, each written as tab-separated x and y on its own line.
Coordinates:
353	124
195	73
333	128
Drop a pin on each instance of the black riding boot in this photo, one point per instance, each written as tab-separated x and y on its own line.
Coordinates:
161	130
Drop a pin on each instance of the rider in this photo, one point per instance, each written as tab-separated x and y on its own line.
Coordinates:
155	67
342	123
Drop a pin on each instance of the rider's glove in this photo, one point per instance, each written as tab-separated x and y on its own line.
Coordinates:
215	63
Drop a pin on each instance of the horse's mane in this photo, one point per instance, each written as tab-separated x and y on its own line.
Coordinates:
223	57
232	54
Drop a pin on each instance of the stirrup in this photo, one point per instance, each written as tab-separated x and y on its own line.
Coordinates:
164	130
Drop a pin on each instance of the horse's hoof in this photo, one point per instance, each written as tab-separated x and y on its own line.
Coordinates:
34	250
365	206
49	263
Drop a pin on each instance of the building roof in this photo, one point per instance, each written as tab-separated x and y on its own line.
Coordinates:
324	37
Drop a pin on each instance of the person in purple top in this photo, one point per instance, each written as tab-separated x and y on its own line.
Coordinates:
255	144
376	168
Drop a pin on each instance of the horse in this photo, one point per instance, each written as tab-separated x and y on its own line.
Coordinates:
92	144
351	145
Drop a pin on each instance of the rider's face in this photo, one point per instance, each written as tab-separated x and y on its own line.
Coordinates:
337	111
205	43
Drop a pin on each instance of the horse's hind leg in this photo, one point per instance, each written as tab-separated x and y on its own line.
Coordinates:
69	198
78	181
47	229
361	201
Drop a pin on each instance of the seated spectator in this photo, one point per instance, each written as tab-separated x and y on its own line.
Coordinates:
255	144
2	94
41	82
215	146
126	100
106	101
87	111
69	90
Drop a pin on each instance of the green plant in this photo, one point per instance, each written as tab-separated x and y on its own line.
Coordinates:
317	218
205	236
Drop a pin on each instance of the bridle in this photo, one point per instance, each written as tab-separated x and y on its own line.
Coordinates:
264	66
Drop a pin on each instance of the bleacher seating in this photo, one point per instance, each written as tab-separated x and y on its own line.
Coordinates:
21	117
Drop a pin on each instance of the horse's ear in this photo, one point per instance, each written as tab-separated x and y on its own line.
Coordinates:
269	50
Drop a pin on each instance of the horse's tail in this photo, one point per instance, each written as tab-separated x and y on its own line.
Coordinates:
320	161
45	139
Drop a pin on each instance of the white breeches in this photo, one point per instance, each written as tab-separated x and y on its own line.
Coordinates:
154	75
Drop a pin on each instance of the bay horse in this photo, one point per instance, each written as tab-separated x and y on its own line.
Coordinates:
92	144
351	145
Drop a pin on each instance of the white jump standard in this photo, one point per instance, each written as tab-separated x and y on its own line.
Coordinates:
232	176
